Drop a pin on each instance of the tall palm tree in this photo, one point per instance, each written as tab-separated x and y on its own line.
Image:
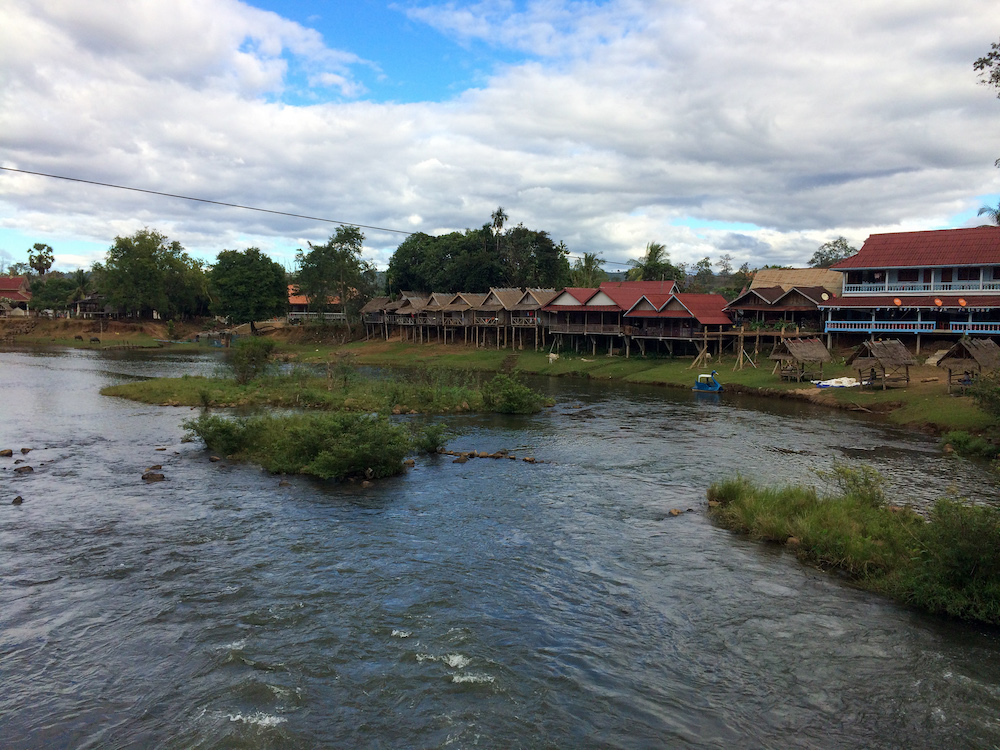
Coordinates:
993	213
587	272
655	265
81	285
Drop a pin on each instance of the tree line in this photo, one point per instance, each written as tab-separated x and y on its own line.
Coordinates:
147	272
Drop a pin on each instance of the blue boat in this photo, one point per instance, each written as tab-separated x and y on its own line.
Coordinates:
707	383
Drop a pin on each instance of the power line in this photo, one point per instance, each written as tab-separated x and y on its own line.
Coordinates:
237	205
206	200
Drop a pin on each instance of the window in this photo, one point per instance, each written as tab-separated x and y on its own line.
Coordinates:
996	273
908	274
854	277
968	274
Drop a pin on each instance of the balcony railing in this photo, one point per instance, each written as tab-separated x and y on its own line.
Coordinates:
879	326
978	327
913	287
400	320
615	330
317	316
521	322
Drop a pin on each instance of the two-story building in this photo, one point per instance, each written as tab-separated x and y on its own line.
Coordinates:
943	283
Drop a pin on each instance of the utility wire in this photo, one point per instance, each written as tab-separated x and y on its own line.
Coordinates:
237	205
206	200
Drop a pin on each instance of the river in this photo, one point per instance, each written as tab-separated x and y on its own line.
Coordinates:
491	604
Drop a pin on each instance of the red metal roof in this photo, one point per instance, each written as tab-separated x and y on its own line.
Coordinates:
627	293
977	246
707	308
950	301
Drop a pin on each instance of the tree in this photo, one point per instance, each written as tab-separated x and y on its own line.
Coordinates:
988	67
587	271
18	269
478	259
499	217
81	285
703	278
992	213
51	293
336	273
655	265
40	258
247	286
143	273
832	252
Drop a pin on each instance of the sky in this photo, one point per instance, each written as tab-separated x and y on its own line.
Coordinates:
756	129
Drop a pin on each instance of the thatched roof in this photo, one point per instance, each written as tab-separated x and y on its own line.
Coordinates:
786	278
801	350
984	353
883	354
375	304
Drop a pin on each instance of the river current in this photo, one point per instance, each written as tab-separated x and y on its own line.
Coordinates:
493	604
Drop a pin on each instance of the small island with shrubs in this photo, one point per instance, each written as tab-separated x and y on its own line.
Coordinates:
335	424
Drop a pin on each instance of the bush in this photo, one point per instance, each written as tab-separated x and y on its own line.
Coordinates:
429	438
250	358
504	394
861	482
969	445
328	446
957	569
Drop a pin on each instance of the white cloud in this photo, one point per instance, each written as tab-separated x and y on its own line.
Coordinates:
807	120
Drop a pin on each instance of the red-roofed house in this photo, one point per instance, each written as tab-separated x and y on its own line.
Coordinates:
14	295
943	282
624	311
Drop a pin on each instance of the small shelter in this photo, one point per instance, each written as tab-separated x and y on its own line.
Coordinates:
885	360
797	358
971	357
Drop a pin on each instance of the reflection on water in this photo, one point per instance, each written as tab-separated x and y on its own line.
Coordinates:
492	603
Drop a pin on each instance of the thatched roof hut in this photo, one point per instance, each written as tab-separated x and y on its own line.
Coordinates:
795	356
971	357
886	360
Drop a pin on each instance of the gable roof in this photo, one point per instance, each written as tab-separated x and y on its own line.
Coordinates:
375	304
887	353
984	352
801	350
627	293
974	246
786	278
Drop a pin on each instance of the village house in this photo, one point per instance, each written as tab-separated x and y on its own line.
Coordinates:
943	283
15	298
786	297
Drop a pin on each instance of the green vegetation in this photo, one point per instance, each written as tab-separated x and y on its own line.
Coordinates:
947	564
425	391
328	446
247	286
250	358
973	446
505	394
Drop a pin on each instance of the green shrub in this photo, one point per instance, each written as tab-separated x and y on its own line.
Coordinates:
956	570
860	482
326	445
250	358
970	445
429	438
948	564
504	394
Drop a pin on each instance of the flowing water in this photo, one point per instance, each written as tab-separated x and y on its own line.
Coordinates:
493	604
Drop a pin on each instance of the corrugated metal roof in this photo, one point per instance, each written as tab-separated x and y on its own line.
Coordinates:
976	246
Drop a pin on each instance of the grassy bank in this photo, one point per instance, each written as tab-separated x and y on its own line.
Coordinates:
425	391
948	563
924	404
